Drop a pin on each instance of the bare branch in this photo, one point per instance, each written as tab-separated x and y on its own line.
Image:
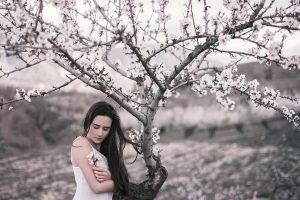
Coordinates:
20	69
205	16
101	87
174	42
248	54
145	65
198	50
103	13
42	93
118	69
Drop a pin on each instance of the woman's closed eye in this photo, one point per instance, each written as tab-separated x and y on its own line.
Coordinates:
96	127
106	129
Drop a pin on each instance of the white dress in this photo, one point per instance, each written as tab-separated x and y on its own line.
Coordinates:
83	190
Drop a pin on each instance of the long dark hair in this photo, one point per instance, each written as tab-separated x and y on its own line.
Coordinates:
113	145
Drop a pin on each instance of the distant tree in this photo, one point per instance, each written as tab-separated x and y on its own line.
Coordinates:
48	122
33	125
148	36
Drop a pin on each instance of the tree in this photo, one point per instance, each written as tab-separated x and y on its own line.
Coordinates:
47	121
86	33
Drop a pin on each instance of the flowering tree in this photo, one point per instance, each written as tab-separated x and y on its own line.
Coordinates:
84	34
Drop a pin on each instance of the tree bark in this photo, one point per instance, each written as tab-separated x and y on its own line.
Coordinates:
148	189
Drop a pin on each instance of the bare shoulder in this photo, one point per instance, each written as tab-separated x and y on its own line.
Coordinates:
80	149
80	144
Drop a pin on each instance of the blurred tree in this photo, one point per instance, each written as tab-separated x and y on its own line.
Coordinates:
48	121
268	74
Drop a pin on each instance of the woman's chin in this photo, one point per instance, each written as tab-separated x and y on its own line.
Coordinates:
97	141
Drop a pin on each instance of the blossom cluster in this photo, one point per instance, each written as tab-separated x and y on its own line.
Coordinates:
161	12
270	96
222	83
223	39
291	115
92	159
292	62
155	135
22	94
136	135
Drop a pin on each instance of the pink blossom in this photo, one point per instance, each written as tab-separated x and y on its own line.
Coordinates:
184	23
223	39
274	50
268	35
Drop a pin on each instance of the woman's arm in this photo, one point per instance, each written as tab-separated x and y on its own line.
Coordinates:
79	154
101	173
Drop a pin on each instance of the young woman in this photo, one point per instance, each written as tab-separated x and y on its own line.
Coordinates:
97	155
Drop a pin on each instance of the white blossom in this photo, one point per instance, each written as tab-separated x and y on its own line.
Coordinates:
184	23
172	36
223	39
254	36
27	98
232	5
290	22
168	93
253	84
155	135
268	35
257	25
135	135
292	63
274	50
254	51
161	103
206	80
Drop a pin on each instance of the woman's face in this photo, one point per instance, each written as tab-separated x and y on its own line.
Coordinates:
99	129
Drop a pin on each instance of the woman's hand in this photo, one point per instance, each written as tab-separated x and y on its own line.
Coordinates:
101	173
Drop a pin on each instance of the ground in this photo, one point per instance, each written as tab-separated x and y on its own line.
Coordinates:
222	167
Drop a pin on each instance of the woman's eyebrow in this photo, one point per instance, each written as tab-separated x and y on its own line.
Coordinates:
100	126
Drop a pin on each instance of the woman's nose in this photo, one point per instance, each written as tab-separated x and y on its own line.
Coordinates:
100	132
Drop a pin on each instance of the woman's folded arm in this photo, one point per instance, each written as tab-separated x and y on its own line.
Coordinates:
80	154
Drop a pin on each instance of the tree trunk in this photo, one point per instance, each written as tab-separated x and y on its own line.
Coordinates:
157	174
148	189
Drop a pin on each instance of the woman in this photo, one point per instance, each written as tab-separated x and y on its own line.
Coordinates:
97	155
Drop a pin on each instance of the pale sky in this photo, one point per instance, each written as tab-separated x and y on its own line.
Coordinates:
175	9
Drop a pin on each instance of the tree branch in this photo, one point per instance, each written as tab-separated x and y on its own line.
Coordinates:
20	69
42	93
145	65
101	87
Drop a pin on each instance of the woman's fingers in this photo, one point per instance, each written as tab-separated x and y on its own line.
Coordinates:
98	168
101	179
101	172
102	176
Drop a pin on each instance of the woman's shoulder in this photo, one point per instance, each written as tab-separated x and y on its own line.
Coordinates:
81	143
80	149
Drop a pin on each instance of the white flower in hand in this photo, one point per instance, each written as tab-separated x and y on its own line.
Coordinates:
92	159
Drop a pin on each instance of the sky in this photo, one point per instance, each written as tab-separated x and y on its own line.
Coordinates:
175	10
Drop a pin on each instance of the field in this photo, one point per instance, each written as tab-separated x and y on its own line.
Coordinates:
227	167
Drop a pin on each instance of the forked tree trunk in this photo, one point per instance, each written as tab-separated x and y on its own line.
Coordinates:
148	189
157	174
